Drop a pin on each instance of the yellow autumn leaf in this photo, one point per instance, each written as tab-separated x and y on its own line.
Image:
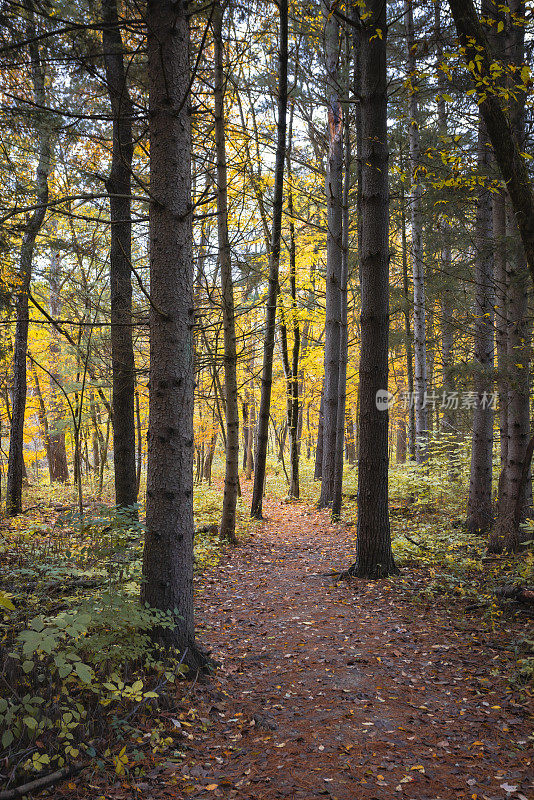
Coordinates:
5	602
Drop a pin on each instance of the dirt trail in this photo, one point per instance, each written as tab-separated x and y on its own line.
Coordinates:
346	690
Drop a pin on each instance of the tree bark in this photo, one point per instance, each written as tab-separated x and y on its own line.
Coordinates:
334	254
57	451
292	374
337	498
448	419
374	557
479	504
274	263
407	327
231	475
119	189
168	553
518	335
318	471
15	466
507	151
419	314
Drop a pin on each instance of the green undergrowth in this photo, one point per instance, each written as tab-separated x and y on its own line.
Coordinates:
81	677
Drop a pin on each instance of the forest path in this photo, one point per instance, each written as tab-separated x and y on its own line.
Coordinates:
348	690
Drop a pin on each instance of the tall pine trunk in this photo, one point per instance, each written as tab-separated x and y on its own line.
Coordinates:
374	557
168	552
419	322
344	332
118	187
479	505
274	263
231	475
448	419
511	508
334	254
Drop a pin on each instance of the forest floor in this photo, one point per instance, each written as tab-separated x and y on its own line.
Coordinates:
340	689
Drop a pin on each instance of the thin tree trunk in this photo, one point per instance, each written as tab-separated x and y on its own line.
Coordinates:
231	475
119	189
250	444
318	472
501	318
168	553
57	452
292	377
41	415
419	322
274	262
334	254
16	436
344	331
447	322
349	437
374	557
139	441
479	505
407	328
246	429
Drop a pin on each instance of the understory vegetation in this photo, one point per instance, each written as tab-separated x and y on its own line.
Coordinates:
80	673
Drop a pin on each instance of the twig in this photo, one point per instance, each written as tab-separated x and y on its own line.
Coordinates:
39	783
417	544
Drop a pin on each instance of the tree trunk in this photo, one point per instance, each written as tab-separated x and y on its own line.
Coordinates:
501	318
168	553
479	505
249	466
246	430
334	255
41	415
119	189
407	328
448	418
57	451
374	557
318	472
292	374
419	322
139	465
44	133
344	332
518	335
274	263
500	129
349	437
231	475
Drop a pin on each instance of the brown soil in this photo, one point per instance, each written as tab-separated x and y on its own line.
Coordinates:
347	690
